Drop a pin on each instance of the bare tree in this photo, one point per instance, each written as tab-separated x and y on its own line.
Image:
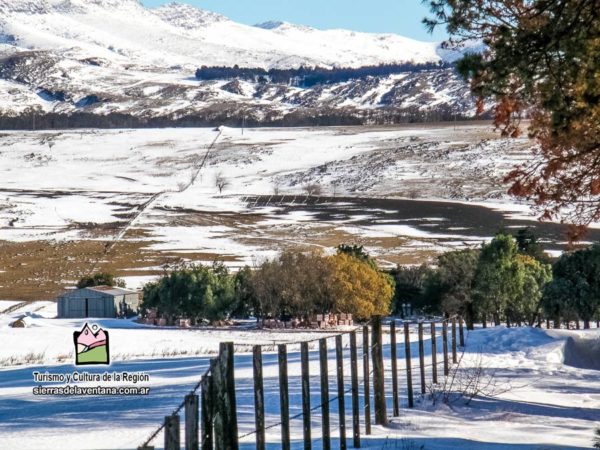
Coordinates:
313	189
221	182
276	186
334	187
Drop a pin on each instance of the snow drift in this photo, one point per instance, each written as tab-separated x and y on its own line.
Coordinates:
583	353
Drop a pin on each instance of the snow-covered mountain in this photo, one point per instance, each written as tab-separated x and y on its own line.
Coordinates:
116	56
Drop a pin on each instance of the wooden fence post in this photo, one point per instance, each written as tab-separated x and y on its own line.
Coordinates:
259	397
378	372
422	357
306	423
355	399
339	357
225	416
394	357
409	386
445	346
191	422
461	332
434	377
454	356
206	406
172	441
284	397
324	394
366	377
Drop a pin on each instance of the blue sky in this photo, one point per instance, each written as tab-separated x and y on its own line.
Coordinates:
381	16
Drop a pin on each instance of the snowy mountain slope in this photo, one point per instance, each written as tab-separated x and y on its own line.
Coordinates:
182	34
115	56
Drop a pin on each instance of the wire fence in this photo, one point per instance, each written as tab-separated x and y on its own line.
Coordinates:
213	417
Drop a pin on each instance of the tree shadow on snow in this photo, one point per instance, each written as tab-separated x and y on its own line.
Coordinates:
419	444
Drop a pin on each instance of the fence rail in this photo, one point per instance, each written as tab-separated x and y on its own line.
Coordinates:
211	411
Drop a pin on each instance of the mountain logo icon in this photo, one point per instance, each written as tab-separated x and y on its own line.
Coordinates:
91	346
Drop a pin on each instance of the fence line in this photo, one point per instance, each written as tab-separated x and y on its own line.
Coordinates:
213	415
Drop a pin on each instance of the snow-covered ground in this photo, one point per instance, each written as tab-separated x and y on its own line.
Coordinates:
542	403
48	177
406	193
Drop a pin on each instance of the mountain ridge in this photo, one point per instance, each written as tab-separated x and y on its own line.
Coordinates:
117	57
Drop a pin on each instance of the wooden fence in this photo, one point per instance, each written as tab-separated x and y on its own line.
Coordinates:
211	413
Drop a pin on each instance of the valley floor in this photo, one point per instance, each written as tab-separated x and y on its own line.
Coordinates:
135	202
541	402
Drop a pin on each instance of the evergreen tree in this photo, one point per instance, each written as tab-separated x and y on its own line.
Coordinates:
533	277
245	303
575	291
495	278
451	288
508	284
196	292
528	244
410	288
541	57
358	252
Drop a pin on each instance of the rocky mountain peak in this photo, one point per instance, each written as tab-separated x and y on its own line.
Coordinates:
186	16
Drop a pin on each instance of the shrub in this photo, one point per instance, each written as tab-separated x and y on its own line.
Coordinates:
197	292
360	289
100	279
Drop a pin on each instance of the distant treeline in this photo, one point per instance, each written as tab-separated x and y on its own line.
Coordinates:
233	117
309	76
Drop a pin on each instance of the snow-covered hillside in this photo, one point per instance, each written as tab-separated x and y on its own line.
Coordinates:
115	56
181	34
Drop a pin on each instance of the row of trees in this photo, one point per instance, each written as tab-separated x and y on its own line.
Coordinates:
308	76
294	284
510	279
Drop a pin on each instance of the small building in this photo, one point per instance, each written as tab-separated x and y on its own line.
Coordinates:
98	301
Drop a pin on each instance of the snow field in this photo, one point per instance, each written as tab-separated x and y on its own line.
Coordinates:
63	180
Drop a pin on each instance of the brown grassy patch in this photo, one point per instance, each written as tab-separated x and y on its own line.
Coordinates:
39	270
